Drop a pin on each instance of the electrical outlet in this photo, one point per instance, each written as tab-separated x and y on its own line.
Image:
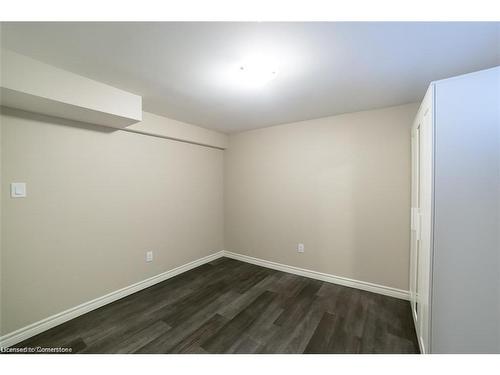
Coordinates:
300	247
149	256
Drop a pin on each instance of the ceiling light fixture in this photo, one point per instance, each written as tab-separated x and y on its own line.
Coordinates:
256	74
250	72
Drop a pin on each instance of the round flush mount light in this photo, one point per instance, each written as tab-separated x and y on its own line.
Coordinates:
255	75
249	73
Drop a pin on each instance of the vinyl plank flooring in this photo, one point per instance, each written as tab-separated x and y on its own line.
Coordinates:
302	333
167	341
76	346
192	342
187	306
224	338
341	340
320	341
228	306
125	339
262	329
245	345
240	303
296	307
130	343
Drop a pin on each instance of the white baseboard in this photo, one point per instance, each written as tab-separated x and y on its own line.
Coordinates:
363	285
54	320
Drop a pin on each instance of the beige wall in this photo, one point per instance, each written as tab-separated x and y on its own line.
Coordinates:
340	185
98	199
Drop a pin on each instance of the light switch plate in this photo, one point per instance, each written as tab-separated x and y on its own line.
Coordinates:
18	189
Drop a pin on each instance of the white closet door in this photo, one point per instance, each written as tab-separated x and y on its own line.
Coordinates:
420	268
426	217
415	231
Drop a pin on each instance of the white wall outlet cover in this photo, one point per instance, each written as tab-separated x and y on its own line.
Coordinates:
300	247
18	189
149	256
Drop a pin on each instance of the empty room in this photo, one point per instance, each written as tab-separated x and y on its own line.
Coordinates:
250	187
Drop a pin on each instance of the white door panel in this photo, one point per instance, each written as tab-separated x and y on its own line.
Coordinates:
421	228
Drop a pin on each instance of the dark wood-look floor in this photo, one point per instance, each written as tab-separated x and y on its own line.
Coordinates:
228	306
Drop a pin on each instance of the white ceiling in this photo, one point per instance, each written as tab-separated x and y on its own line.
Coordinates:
181	69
